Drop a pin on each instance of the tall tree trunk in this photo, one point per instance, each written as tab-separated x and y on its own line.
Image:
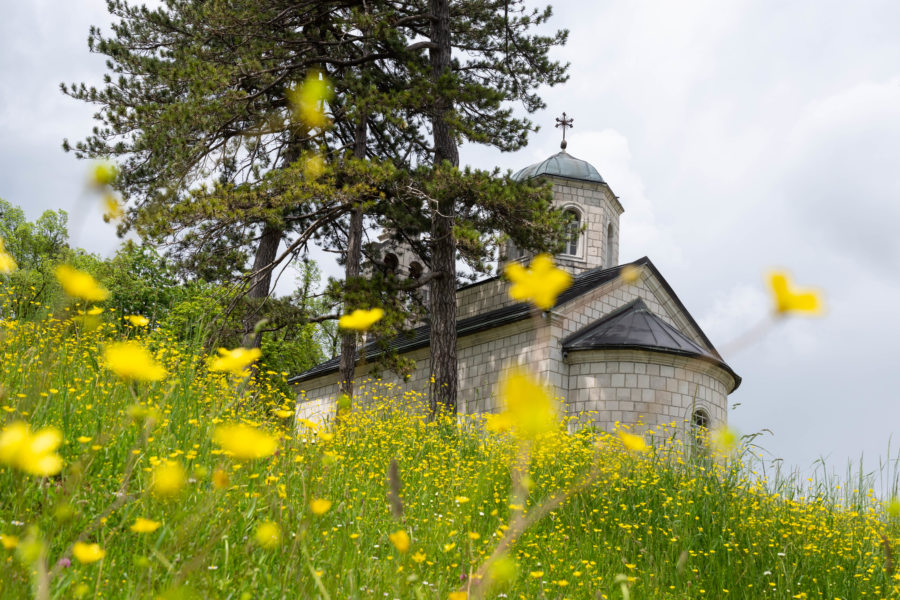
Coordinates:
259	284
443	250
351	271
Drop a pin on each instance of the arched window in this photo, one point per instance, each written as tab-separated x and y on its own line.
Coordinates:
610	245
573	232
699	420
415	269
391	262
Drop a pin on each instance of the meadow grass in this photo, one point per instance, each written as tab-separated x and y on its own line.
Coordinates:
667	523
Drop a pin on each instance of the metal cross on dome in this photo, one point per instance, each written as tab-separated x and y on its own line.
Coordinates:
564	123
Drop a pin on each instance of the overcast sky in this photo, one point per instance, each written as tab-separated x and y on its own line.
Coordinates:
739	136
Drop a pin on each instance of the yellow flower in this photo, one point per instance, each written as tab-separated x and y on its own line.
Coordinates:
419	557
220	479
79	284
400	540
168	479
309	98
9	542
461	499
474	535
103	173
449	547
245	442
7	262
33	453
457	596
131	361
629	273
88	553
314	167
112	209
235	361
142	525
788	300
320	506
283	414
528	406
537	574
503	571
361	320
138	320
268	534
893	507
724	439
632	443
540	283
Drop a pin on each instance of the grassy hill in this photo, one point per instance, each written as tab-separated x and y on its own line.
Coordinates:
386	505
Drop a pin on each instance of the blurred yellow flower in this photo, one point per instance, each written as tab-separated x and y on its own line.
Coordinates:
235	361
309	98
131	361
791	300
314	167
527	406
893	507
220	479
245	442
539	284
503	571
138	320
457	596
724	439
79	284
537	574
400	540
103	173
142	525
360	319
320	506
632	443
419	556
630	273
31	452
168	479
461	499
9	542
112	209
87	553
268	534
7	262
283	414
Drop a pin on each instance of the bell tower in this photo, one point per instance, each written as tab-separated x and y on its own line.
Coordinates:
579	190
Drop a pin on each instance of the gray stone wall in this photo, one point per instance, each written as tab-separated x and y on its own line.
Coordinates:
597	386
634	386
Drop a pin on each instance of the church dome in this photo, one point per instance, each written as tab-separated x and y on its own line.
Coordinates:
561	164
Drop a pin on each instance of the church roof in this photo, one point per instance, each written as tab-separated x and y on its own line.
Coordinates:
633	326
562	164
581	284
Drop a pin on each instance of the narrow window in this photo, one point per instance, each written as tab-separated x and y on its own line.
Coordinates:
610	259
700	420
573	233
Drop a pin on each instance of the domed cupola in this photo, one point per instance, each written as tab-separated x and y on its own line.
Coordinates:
562	164
594	209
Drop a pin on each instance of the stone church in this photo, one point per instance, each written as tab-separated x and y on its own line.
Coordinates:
618	346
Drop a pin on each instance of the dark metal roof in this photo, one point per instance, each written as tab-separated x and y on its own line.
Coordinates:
420	337
633	326
562	164
581	284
